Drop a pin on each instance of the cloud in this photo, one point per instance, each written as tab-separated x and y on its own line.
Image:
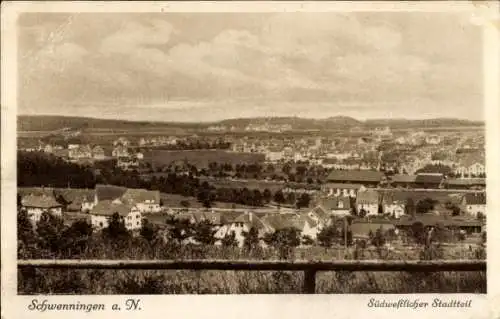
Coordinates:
327	62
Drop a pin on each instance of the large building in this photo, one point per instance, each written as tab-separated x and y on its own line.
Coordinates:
366	178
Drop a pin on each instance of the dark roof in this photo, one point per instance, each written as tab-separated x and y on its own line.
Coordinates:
343	185
466	181
107	208
42	201
431	178
475	198
109	192
433	220
403	178
355	176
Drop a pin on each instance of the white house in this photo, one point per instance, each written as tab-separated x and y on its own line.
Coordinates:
368	201
104	210
395	208
36	205
342	189
475	203
241	224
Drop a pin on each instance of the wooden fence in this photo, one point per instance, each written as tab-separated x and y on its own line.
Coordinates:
310	268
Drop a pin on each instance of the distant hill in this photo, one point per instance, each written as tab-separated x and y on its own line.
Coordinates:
427	123
65	123
56	123
297	123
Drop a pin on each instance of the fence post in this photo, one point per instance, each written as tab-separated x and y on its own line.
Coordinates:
310	281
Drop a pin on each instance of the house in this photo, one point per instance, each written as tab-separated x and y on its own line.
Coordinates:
433	139
121	141
239	224
120	151
98	152
471	166
104	210
302	222
475	203
366	178
336	206
145	201
79	152
77	200
342	189
393	206
368	201
36	205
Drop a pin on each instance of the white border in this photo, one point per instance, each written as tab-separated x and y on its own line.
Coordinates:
249	306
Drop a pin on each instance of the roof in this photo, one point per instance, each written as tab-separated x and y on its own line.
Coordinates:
355	176
281	221
109	192
251	220
108	208
229	217
433	178
475	198
137	195
343	185
403	178
335	203
40	201
368	197
432	220
321	212
466	181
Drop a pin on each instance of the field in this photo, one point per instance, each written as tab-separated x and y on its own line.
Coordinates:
250	184
201	158
174	200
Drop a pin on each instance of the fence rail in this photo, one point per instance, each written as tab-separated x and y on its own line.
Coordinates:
308	267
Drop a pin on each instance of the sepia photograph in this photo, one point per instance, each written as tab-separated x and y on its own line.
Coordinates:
167	153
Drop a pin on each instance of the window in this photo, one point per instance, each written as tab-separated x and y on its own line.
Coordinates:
100	224
138	223
137	216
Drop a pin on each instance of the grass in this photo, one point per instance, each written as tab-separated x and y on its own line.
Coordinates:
50	281
242	282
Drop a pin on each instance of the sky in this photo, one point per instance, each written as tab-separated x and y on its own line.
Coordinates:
198	67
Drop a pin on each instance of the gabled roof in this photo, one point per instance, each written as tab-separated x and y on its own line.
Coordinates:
355	176
229	217
475	198
40	201
109	192
251	220
108	208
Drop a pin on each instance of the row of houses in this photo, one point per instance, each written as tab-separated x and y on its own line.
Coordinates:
348	182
